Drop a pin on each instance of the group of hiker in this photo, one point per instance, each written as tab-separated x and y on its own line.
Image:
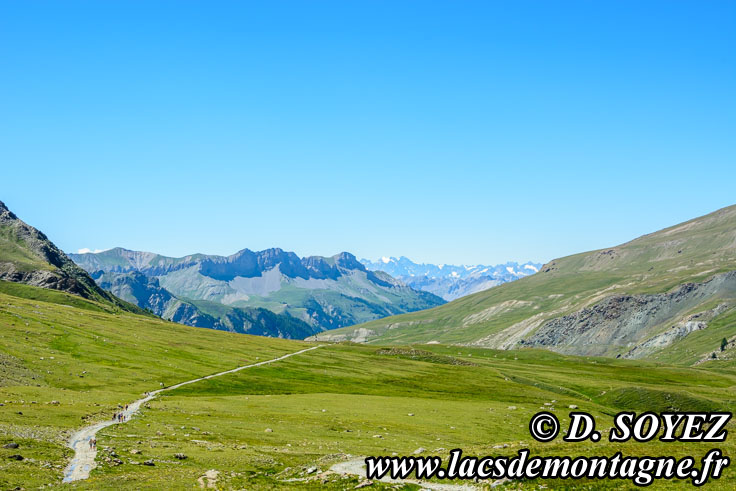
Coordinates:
117	417
120	417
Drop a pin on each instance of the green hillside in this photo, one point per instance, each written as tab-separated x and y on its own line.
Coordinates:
27	256
512	314
63	367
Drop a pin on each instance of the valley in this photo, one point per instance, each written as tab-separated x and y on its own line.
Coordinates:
285	424
367	246
225	409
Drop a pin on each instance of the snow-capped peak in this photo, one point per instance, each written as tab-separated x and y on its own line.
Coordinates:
448	280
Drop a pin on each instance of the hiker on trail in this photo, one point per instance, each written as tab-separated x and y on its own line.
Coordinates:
91	444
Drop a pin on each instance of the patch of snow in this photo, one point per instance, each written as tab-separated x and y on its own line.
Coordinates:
529	266
385	260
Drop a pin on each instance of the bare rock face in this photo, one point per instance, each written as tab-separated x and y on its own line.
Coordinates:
40	278
633	322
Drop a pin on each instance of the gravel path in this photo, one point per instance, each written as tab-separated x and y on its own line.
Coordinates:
84	456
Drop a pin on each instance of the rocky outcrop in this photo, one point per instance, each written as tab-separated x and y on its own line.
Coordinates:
684	327
43	278
623	324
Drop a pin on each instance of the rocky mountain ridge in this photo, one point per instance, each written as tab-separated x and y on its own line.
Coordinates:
323	292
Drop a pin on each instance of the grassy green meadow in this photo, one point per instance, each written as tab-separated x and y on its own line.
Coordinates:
67	366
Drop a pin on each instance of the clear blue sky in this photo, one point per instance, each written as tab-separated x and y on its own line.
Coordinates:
454	132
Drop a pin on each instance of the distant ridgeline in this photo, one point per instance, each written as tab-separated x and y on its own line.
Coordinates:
448	281
271	292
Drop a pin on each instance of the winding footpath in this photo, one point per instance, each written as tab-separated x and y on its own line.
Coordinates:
84	456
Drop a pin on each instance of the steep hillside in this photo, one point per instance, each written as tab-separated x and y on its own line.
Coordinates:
146	292
642	298
27	256
449	281
323	292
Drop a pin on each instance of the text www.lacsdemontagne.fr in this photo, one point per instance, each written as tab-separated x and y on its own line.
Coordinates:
641	471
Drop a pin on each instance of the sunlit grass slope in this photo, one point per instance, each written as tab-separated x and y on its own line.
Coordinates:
689	252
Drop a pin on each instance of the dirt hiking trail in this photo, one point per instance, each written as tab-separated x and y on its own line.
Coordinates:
84	455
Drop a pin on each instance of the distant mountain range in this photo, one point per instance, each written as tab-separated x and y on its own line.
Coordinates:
448	281
271	292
